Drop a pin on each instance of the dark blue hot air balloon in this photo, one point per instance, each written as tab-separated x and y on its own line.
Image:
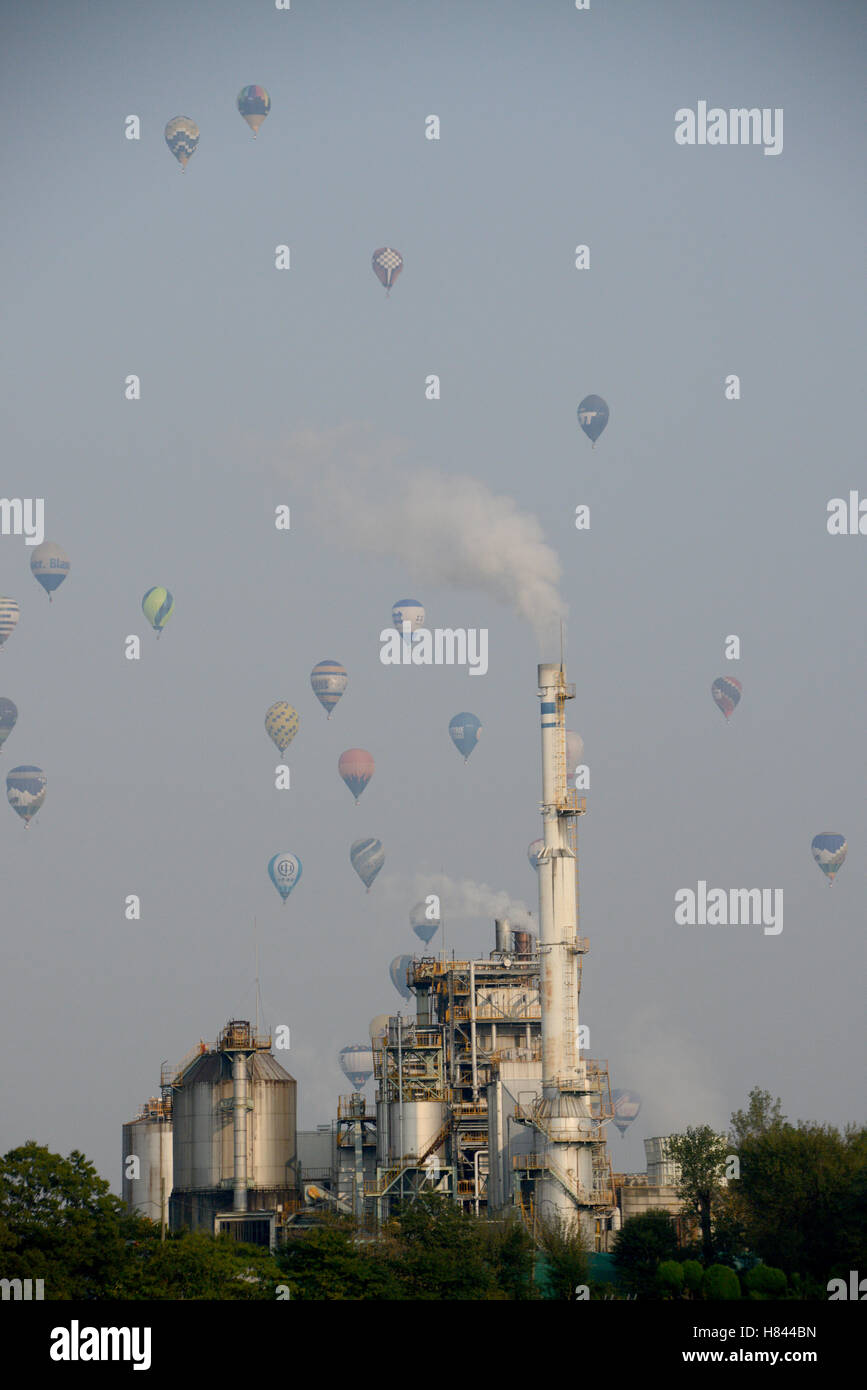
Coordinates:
397	970
356	1062
593	416
464	732
829	850
424	926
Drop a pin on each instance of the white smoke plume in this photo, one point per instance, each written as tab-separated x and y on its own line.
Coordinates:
462	898
446	528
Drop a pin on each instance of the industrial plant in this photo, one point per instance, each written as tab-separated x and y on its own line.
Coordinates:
483	1094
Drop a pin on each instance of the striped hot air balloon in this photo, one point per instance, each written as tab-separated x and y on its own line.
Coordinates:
367	858
9	615
726	692
158	606
329	680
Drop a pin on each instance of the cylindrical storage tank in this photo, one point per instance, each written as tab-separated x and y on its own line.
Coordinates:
503	930
525	943
271	1123
148	1138
204	1128
422	1120
662	1170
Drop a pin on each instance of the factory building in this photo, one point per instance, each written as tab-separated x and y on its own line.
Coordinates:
233	1142
147	1160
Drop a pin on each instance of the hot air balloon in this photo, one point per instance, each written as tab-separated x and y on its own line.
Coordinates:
464	732
356	767
285	871
533	853
593	417
182	138
25	790
626	1107
329	680
158	606
367	858
356	1063
387	265
726	692
9	615
49	565
425	927
254	104
407	610
282	723
8	718
378	1026
397	970
574	753
829	850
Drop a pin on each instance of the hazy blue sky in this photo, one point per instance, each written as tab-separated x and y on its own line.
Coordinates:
708	518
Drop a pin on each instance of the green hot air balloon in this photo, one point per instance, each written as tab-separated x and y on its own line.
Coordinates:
158	606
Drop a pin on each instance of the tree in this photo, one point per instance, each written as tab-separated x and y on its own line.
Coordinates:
702	1155
720	1282
640	1245
328	1262
763	1281
692	1277
197	1266
669	1279
565	1249
761	1115
443	1251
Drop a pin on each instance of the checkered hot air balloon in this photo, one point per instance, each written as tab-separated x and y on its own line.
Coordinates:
329	680
182	138
9	615
282	722
387	265
254	104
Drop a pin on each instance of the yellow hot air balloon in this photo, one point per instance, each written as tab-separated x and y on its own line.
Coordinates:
282	723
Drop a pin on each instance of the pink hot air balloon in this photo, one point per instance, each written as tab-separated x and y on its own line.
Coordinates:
356	767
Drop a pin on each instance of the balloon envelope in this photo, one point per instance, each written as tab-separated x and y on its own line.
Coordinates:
182	138
378	1026
626	1107
356	767
387	265
9	615
407	610
254	104
425	927
49	565
356	1062
829	850
367	858
329	680
593	416
282	723
285	871
25	790
8	718
158	606
726	692
533	853
464	732
397	970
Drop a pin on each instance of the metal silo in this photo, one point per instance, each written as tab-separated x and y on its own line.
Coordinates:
148	1140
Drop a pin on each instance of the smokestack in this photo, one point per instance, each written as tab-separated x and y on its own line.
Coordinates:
523	944
503	931
239	1111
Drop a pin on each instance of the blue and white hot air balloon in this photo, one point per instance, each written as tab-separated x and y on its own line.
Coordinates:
829	850
627	1105
424	926
407	610
8	718
593	417
25	790
329	680
397	970
533	852
49	566
367	858
9	615
464	732
285	871
356	1063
